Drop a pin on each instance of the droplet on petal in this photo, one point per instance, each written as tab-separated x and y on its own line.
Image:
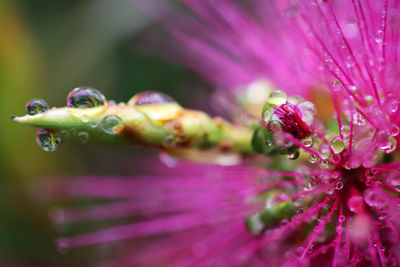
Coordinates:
109	123
345	130
379	36
355	204
47	140
293	155
277	98
36	106
337	145
313	158
337	85
373	198
385	142
150	97
85	97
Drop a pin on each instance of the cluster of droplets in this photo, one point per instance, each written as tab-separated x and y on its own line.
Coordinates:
86	97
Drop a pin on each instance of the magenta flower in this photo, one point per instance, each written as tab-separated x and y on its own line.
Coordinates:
336	204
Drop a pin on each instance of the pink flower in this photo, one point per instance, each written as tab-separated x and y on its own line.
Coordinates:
339	209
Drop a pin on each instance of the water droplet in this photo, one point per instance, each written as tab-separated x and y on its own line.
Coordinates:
150	97
313	158
299	211
36	106
336	158
169	141
337	145
324	152
339	185
350	62
369	100
345	130
109	123
373	198
353	89
267	115
308	141
277	98
395	130
337	85
342	218
379	36
82	137
358	119
293	155
392	103
385	142
48	141
85	118
355	204
274	126
397	187
85	97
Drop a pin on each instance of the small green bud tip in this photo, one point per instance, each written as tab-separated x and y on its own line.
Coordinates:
148	119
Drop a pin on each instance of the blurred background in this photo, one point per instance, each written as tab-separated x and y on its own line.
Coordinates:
47	48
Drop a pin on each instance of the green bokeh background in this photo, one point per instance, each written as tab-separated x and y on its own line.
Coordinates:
47	48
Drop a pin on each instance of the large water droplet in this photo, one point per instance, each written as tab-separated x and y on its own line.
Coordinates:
48	141
373	198
151	97
36	106
324	151
85	97
337	145
277	98
355	203
385	142
109	123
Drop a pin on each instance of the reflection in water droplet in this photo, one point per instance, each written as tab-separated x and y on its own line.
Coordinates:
277	98
36	106
313	158
109	123
85	97
379	36
337	145
308	141
293	155
385	142
48	141
151	97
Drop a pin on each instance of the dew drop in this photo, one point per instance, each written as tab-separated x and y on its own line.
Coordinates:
85	118
267	115
336	159
277	98
342	218
274	126
385	142
358	119
395	130
337	85
355	204
169	141
373	199
308	141
36	106
83	137
379	36
85	97
151	97
48	141
299	211
397	187
313	158
345	130
109	123
293	155
339	185
337	145
324	152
